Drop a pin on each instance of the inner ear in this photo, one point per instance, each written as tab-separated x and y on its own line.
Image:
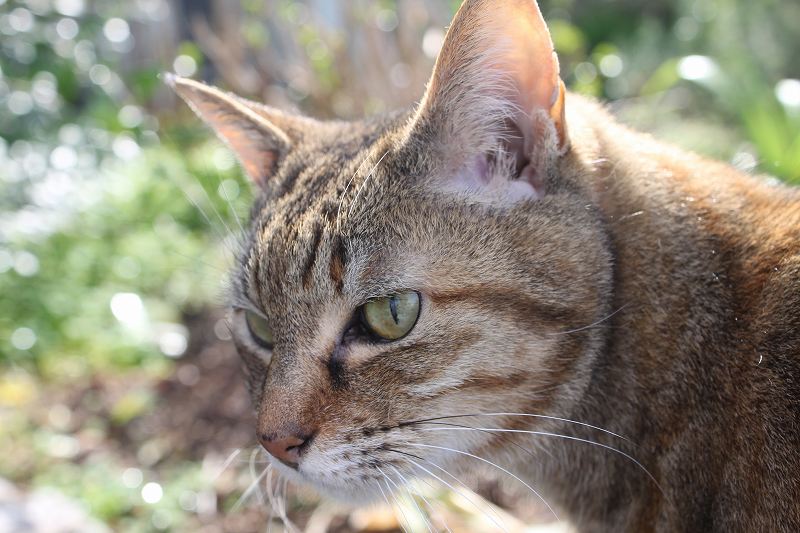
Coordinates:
512	146
521	165
505	170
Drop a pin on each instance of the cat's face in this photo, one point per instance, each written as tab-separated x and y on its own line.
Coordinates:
432	263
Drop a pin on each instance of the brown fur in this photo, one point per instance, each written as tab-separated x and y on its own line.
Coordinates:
628	285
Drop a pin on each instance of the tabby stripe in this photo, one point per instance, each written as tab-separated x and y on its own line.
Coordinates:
337	266
308	266
512	305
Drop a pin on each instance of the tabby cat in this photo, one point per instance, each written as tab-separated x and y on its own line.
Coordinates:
504	273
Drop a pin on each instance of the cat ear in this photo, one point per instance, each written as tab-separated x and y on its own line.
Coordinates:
253	131
495	97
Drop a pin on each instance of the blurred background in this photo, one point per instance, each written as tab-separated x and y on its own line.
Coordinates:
121	407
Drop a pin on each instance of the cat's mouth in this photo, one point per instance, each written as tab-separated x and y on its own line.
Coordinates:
339	478
386	464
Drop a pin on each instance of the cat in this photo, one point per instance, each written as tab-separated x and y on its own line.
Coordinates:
503	273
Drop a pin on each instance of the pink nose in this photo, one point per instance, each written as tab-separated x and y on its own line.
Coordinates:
285	448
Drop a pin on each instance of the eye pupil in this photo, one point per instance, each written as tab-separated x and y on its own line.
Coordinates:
393	308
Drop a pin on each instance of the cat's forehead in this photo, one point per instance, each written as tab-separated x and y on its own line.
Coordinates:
321	168
328	217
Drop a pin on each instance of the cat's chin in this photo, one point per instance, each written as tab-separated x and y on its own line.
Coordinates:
351	496
345	491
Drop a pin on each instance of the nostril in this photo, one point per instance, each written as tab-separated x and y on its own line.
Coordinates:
286	448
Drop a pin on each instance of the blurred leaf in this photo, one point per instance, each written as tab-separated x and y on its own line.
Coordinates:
131	405
665	77
567	38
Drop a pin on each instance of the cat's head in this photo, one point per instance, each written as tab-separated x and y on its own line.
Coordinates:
440	261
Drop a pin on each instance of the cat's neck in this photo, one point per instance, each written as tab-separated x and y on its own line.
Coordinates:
705	259
699	246
691	237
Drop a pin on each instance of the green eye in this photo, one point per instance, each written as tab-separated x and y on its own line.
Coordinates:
259	329
391	318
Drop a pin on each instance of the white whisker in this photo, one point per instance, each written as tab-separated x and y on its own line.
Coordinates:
283	513
444	448
411	496
213	227
369	175
346	188
593	324
396	501
246	494
233	455
270	498
451	487
214	209
252	465
383	493
555	435
529	415
231	207
430	486
196	260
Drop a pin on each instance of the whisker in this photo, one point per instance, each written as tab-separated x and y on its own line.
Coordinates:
430	486
549	434
369	175
467	454
196	260
411	496
593	324
284	506
277	497
504	438
246	494
392	507
227	463
346	188
230	206
252	465
213	227
544	417
271	499
448	485
427	502
396	501
214	209
283	510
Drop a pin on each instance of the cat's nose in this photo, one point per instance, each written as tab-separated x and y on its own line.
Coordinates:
286	448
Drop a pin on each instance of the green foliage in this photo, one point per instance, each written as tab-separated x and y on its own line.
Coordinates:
694	73
141	237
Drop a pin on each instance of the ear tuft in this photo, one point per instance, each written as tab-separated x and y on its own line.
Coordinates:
257	142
